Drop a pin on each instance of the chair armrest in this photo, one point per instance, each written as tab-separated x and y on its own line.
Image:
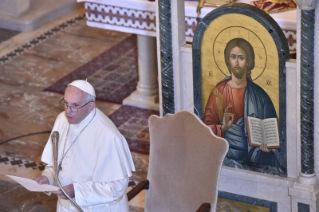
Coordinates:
137	189
205	207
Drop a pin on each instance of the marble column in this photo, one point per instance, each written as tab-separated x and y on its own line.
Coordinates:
146	93
307	175
166	56
305	190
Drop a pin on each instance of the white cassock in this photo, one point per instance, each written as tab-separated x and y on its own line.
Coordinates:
96	159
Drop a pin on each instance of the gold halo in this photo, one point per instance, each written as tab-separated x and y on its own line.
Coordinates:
260	70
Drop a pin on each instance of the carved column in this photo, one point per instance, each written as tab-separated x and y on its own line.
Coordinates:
146	93
166	55
305	190
307	175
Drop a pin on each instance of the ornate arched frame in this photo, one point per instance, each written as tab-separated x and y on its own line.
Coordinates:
283	54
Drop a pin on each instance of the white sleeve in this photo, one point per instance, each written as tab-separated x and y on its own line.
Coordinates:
48	172
92	193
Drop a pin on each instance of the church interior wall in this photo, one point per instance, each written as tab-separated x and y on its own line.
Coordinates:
258	185
249	183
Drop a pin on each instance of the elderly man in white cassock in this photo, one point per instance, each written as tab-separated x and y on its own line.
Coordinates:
94	159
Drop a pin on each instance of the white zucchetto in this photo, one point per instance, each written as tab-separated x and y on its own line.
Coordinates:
84	85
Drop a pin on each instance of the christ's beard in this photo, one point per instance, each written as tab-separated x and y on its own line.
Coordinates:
238	72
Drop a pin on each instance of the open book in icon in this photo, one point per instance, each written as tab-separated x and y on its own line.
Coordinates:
263	131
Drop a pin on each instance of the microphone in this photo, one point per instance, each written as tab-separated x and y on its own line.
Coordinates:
55	143
55	136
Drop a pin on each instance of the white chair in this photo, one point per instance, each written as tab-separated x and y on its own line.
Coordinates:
185	164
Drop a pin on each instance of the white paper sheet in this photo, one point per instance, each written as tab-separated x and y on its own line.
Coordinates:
32	185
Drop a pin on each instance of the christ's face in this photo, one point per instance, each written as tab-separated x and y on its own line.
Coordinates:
238	62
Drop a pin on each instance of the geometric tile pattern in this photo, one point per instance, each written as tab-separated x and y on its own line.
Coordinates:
20	50
291	36
21	163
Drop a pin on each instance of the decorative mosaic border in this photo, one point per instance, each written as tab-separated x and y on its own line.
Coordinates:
21	163
291	36
34	42
146	20
190	27
119	16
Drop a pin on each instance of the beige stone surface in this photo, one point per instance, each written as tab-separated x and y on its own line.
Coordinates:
14	8
37	14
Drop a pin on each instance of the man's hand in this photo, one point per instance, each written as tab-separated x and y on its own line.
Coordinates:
228	119
69	189
42	180
263	147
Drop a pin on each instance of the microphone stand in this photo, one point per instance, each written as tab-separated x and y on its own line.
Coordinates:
55	142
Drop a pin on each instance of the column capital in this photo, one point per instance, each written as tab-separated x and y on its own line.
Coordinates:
307	4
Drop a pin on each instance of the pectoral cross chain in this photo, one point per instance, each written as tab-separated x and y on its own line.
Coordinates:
60	167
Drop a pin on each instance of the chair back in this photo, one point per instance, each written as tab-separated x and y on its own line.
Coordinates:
185	163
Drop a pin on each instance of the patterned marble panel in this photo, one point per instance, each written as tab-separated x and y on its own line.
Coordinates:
303	207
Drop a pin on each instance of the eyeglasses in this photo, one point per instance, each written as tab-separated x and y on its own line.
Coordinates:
73	108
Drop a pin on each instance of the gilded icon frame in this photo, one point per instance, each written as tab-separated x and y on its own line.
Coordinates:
238	20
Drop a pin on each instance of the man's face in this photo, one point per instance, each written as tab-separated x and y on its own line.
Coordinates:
238	62
76	97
